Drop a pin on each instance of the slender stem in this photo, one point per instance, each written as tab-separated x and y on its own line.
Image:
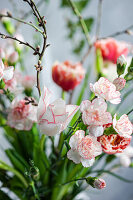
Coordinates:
3	36
130	112
78	179
81	20
99	14
63	95
34	190
124	31
24	22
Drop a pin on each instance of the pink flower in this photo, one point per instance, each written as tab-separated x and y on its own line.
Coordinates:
84	149
123	126
21	116
6	72
53	118
28	81
94	114
119	83
99	184
106	90
111	49
67	75
13	57
112	144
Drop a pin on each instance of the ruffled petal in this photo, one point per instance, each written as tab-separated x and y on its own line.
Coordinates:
73	142
74	156
87	162
49	129
96	130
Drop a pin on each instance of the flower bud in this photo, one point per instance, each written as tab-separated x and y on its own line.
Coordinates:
95	182
99	184
121	65
119	83
13	57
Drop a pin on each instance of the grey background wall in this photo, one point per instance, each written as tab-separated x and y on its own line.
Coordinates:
117	14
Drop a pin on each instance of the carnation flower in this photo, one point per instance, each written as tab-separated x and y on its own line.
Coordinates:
119	83
125	156
6	72
112	144
67	75
106	90
84	149
54	117
99	184
123	126
94	114
111	49
20	115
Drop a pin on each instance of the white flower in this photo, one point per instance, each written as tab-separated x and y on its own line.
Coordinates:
53	118
84	149
106	90
6	72
123	126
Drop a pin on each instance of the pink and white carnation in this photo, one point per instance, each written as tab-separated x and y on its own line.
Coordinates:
94	113
84	149
99	184
105	89
6	72
20	115
125	156
54	117
123	126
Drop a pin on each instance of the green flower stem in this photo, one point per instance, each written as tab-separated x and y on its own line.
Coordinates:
81	20
63	95
78	179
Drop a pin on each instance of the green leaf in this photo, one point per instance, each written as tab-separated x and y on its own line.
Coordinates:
80	4
89	23
79	47
99	61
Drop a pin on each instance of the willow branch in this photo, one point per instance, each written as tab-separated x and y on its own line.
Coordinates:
81	20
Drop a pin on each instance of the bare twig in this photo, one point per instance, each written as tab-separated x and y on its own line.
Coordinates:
24	22
3	36
41	24
125	31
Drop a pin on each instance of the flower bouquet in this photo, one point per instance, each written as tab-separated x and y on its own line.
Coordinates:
56	145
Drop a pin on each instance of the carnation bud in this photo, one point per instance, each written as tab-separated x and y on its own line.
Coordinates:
129	75
95	182
121	65
13	57
119	83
